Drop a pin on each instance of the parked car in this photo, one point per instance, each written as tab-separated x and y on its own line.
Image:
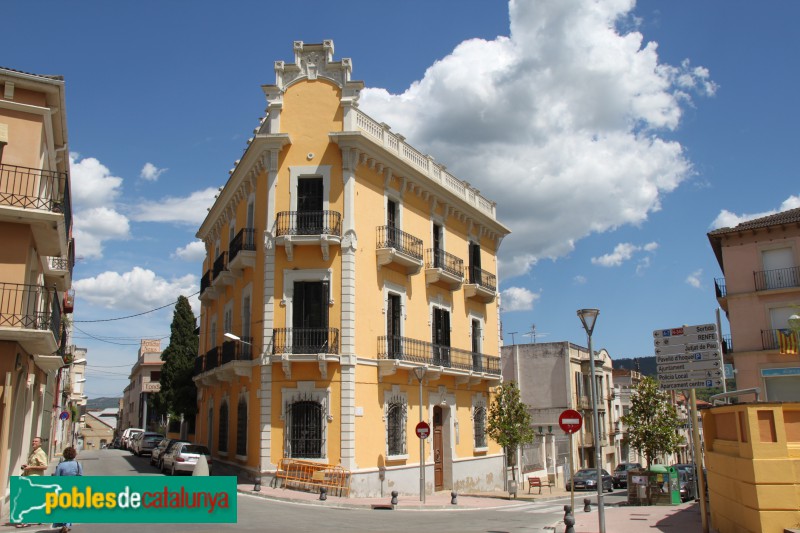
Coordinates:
183	458
620	476
115	444
133	440
158	452
586	479
145	442
127	435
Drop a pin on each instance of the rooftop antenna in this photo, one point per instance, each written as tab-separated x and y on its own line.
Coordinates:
512	333
532	333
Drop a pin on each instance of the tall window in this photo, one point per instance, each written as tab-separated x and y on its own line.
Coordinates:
310	317
222	442
476	346
396	426
479	423
309	205
475	263
393	326
441	337
305	429
241	427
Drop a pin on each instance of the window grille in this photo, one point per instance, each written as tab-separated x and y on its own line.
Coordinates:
479	420
305	429
396	427
222	443
241	427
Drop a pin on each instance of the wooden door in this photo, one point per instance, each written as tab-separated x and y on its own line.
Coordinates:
438	452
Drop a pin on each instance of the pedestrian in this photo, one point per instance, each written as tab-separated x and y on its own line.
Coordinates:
68	467
36	464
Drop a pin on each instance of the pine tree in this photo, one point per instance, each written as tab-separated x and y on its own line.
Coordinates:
178	391
509	423
652	422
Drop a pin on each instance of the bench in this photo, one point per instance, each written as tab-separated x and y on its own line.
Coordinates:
538	482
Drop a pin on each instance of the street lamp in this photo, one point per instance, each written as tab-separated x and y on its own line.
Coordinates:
794	323
419	371
588	318
82	380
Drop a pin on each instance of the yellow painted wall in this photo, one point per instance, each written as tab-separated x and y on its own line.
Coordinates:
753	464
25	131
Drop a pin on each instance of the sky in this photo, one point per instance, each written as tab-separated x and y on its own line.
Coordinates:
613	135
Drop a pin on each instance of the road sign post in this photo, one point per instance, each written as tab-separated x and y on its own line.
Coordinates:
570	421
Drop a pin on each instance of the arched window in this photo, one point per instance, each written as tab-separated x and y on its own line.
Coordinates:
479	422
222	442
396	427
305	429
241	427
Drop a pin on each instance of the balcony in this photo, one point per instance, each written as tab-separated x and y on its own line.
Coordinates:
58	270
31	316
782	278
41	197
442	267
308	228
482	285
464	363
222	276
770	341
208	293
304	345
396	247
226	363
727	344
242	253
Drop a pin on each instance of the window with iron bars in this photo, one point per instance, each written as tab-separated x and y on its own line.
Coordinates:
396	413
241	427
304	422
479	422
222	442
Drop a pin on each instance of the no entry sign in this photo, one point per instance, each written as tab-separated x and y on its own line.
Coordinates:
423	430
570	421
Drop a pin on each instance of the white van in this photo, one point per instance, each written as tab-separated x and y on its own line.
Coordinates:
127	435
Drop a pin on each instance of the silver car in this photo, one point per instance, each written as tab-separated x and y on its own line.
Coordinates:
183	458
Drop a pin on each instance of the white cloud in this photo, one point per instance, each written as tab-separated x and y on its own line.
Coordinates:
518	299
564	112
94	226
150	172
726	219
650	247
190	210
194	251
642	265
695	279
138	290
579	280
92	183
622	252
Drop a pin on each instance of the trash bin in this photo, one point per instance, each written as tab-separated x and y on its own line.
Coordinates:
664	485
674	486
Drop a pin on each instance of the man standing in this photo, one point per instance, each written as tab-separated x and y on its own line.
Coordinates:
37	460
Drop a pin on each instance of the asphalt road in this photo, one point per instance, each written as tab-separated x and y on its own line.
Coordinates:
258	514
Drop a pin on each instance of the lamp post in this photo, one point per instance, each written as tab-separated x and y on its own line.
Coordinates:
794	323
588	318
419	371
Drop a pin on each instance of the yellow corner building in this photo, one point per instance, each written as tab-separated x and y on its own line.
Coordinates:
341	264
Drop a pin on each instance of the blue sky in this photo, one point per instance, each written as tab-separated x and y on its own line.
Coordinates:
613	134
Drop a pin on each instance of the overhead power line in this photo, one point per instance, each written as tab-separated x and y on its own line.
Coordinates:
130	316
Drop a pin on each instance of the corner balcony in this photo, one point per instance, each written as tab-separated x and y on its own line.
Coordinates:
31	316
208	293
721	292
222	275
305	345
234	359
444	268
308	228
58	270
771	341
781	278
469	367
482	285
396	247
242	253
40	198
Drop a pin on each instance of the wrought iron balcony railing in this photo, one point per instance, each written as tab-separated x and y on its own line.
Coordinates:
416	351
237	350
198	365
777	279
64	263
220	264
727	344
482	278
308	223
445	261
389	237
719	287
305	341
244	241
212	358
34	188
769	339
205	281
30	307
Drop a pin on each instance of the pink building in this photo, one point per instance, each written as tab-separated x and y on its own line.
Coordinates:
760	260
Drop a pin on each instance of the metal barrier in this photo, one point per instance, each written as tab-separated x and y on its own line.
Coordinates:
308	475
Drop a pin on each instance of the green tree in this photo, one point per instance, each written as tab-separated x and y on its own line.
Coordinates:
178	391
652	422
509	423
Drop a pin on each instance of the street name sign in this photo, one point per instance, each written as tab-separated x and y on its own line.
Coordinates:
691	384
708	355
688	357
686	348
686	330
688	366
685	339
691	375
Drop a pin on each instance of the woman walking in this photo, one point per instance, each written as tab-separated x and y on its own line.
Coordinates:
68	467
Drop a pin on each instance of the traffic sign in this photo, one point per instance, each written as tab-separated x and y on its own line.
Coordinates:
570	421
686	348
423	430
685	339
688	366
686	330
691	384
694	374
728	371
709	355
64	415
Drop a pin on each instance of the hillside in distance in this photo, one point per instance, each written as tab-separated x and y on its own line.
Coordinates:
647	365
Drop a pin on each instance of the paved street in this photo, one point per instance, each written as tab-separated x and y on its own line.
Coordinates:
260	514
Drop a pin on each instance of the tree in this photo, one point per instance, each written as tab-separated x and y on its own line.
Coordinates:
509	423
178	391
652	422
